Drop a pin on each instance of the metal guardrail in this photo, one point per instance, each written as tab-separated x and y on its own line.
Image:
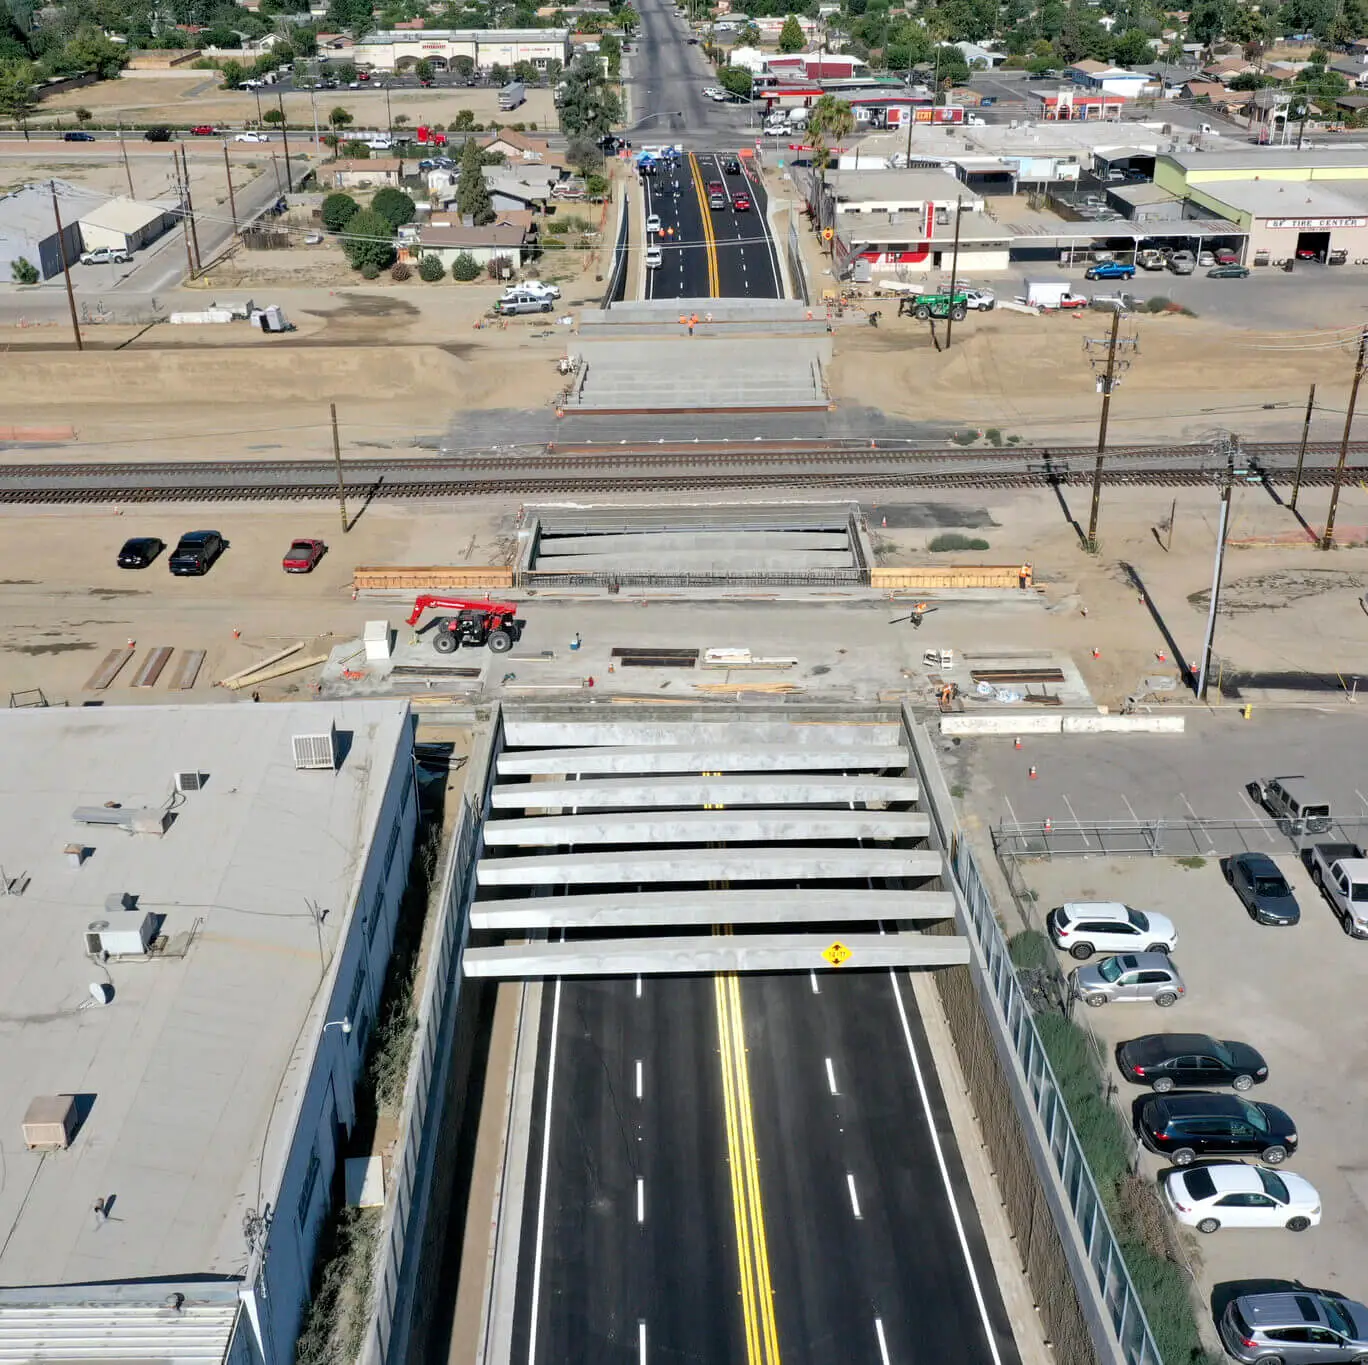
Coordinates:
1158	838
1057	1150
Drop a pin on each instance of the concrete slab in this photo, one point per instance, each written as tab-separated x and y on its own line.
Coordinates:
653	758
640	793
704	827
754	953
776	864
671	909
733	541
719	560
819	736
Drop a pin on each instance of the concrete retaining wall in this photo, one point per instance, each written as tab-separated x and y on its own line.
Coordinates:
1033	723
1124	725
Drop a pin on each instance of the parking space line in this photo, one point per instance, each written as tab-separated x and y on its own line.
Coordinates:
1073	814
1259	815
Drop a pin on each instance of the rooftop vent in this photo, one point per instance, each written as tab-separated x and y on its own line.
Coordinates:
316	751
50	1123
189	782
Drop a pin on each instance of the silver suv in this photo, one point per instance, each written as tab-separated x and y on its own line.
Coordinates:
1302	1327
1298	807
1128	977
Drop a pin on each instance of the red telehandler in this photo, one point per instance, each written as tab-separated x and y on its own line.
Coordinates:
494	624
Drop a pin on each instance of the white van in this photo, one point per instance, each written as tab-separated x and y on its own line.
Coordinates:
653	257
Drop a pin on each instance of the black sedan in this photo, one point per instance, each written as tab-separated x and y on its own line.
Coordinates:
1184	1127
1256	880
139	552
1228	272
78	137
1165	1060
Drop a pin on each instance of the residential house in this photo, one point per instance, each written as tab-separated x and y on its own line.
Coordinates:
520	187
1353	69
1227	68
982	57
364	172
1112	80
485	244
520	150
1169	78
1204	90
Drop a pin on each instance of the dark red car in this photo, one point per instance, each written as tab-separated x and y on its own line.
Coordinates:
203	130
741	201
303	555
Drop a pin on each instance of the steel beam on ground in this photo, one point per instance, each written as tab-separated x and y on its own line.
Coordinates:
635	793
751	826
728	953
773	864
689	909
665	758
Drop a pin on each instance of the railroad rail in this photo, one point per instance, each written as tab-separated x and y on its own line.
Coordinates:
665	467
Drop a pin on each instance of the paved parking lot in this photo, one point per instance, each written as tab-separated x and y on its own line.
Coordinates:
1295	994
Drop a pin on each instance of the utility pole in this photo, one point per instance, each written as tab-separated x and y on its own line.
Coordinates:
1216	579
1106	385
66	266
337	455
1301	453
389	116
275	166
285	138
232	200
190	209
185	220
954	270
1328	539
123	150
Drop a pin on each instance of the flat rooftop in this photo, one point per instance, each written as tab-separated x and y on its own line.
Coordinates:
1291	198
186	1082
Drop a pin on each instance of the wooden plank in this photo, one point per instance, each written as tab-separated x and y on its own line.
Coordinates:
109	669
152	666
186	670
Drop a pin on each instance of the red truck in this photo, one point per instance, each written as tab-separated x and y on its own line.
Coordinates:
430	137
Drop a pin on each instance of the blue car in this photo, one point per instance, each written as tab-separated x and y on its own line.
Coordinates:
1109	270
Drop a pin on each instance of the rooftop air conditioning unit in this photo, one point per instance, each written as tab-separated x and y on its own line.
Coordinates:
105	939
316	751
189	782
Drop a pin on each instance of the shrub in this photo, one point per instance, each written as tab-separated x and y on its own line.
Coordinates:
399	272
465	268
1158	304
394	206
431	269
370	271
993	436
338	210
24	271
369	241
964	438
952	540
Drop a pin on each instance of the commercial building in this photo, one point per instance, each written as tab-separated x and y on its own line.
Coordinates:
200	911
28	227
1068	103
125	224
1289	203
401	50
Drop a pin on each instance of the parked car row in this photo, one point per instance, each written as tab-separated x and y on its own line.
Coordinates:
197	551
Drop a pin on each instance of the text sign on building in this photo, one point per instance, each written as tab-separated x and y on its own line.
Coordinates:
1310	223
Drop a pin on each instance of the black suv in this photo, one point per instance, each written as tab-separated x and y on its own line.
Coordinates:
1165	1060
139	552
196	552
1185	1126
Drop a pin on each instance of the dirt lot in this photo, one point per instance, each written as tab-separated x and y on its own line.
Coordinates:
152	178
197	98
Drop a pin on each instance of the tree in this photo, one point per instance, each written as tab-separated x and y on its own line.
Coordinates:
340	118
356	150
791	35
736	80
464	122
17	97
610	49
273	116
472	194
1131	48
350	16
526	71
369	240
588	107
337	210
465	267
394	206
596	187
83	115
400	120
423	69
463	66
585	156
830	121
498	74
629	20
431	269
233	74
23	271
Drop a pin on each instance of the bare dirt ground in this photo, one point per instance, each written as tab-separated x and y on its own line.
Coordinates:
196	98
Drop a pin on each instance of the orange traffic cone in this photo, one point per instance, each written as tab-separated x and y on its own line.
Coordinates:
1031	772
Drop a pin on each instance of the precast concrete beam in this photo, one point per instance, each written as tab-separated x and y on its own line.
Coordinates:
528	732
646	792
691	909
727	539
705	827
773	864
730	953
739	758
720	560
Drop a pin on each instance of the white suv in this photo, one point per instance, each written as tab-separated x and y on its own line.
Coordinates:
534	287
1082	928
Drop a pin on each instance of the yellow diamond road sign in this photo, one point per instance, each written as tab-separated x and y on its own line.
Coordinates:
836	954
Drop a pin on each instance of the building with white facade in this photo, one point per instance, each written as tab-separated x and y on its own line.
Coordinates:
402	49
202	903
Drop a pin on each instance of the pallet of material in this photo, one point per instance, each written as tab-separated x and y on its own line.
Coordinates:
109	668
662	652
643	657
431	671
152	665
186	670
768	689
1017	675
743	658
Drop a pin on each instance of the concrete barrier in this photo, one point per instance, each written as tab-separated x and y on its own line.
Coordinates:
953	576
371	578
1012	723
1124	725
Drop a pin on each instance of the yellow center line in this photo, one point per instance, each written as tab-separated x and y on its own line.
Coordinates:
709	237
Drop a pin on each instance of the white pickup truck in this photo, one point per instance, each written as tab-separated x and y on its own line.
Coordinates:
1341	872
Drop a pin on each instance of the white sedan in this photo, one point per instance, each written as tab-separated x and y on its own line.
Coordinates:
653	222
1229	1194
710	91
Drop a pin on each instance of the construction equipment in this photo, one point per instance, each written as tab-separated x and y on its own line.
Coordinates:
924	306
475	623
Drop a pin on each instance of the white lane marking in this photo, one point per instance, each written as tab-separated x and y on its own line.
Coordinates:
854	1198
1073	814
545	1167
883	1344
1188	804
944	1169
641	1199
1007	802
1130	808
816	989
1259	815
1361	796
641	1342
638	986
638	1078
831	1077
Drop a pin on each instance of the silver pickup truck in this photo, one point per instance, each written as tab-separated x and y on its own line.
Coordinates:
1341	872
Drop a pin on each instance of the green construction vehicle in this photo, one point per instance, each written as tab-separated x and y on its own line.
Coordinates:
925	306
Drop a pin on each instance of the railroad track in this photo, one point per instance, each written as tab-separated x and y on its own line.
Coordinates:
678	466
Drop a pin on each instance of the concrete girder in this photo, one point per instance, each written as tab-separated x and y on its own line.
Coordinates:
750	826
634	759
643	793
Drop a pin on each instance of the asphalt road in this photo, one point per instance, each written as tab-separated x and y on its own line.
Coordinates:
871	1249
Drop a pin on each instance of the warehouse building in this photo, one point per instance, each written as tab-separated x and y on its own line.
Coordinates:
403	49
28	227
125	224
201	903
